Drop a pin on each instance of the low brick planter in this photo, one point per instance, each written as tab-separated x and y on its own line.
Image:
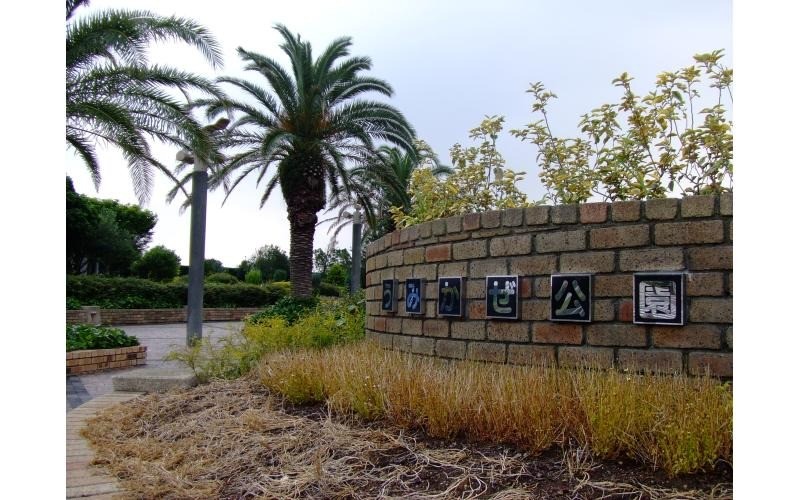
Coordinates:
94	360
154	316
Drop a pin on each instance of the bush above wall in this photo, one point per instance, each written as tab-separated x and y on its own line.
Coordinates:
134	293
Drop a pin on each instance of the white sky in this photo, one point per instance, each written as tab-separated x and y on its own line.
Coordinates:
450	66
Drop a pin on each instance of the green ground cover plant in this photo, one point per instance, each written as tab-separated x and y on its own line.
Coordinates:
675	423
82	337
290	324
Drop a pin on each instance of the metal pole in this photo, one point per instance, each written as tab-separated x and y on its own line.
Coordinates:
197	247
355	274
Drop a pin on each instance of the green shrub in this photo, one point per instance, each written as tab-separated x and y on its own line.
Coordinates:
225	278
280	275
253	277
134	293
289	308
284	286
73	304
81	337
332	322
329	290
338	274
159	264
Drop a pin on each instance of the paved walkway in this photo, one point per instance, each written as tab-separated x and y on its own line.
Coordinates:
159	339
88	394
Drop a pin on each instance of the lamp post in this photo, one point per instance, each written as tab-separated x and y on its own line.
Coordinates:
197	239
355	272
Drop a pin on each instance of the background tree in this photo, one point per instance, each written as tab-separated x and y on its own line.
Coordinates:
309	125
114	97
670	140
211	266
157	264
268	259
104	235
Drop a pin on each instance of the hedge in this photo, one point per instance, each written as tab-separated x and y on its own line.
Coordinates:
135	293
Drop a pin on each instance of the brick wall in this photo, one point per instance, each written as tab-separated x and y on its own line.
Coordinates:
153	316
94	360
609	240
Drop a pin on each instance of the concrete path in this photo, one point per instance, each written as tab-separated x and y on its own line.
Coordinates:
159	339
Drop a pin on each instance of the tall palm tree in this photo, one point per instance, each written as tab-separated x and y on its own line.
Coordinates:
310	126
115	97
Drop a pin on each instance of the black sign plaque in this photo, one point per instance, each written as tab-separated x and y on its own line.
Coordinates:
389	296
415	296
658	298
502	297
451	296
571	297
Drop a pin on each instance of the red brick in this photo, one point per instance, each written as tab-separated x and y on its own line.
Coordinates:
625	312
525	286
394	325
687	337
717	364
437	253
653	361
535	310
616	335
718	257
619	285
698	284
533	265
476	309
536	355
380	323
592	213
552	333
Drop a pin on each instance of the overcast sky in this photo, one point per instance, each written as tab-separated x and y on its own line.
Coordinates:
450	63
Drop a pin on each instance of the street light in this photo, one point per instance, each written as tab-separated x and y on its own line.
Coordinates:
197	239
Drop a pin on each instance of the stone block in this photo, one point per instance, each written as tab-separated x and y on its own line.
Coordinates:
535	355
455	349
616	335
453	224
613	286
661	209
587	262
535	310
698	206
711	311
687	337
715	364
412	326
699	284
652	259
422	345
564	214
561	241
414	256
593	213
537	216
533	265
650	361
485	351
726	204
689	233
471	222
603	310
508	331
510	245
708	258
471	330
490	219
474	249
513	217
626	211
585	357
618	237
436	328
490	267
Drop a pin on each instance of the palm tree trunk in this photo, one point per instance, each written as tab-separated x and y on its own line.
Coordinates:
302	224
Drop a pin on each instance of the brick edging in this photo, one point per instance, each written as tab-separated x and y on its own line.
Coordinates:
93	360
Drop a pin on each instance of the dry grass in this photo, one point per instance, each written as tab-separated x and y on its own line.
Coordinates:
678	424
231	439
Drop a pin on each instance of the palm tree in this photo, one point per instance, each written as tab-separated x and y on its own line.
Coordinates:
310	127
380	184
115	97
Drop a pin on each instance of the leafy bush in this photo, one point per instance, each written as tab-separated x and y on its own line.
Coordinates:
280	275
82	337
133	293
73	304
284	286
329	290
253	277
159	264
329	323
224	278
289	308
337	274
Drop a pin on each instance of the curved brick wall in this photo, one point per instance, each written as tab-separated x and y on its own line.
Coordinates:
609	240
